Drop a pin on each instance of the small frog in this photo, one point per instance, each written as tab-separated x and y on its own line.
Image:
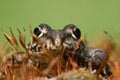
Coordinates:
66	38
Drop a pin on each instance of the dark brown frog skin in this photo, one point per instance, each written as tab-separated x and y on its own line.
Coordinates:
57	40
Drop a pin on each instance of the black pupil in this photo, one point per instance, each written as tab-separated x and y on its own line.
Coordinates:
37	31
77	33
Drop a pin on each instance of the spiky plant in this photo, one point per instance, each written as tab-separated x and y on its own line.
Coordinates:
16	62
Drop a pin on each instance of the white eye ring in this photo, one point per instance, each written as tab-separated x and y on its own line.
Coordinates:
73	34
43	31
41	34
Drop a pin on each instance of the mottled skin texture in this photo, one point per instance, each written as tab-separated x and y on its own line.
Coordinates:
66	39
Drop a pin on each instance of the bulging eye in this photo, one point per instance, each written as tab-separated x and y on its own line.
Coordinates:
77	33
68	28
72	30
44	28
37	32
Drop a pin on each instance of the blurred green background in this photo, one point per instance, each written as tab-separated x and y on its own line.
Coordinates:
91	16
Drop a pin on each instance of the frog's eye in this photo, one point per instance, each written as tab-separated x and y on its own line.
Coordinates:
73	31
37	32
42	30
76	33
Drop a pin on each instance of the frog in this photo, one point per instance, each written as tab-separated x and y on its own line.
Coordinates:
67	39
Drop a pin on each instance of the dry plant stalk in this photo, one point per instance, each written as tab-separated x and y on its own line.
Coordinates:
23	68
106	57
